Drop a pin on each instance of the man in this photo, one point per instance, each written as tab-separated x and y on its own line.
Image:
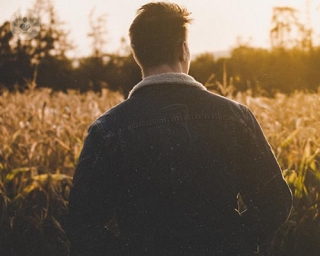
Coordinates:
159	174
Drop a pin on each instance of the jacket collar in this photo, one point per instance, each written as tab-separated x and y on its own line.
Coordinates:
167	78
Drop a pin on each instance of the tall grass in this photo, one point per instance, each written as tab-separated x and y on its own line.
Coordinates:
41	135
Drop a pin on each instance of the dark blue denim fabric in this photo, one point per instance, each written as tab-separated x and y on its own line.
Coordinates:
169	162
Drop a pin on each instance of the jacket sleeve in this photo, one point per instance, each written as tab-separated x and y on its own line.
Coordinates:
261	184
92	199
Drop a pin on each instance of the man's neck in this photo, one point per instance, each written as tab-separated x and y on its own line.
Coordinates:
165	68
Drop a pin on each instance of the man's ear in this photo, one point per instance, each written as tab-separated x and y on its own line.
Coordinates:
182	53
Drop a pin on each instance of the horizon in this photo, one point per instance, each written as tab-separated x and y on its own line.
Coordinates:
251	25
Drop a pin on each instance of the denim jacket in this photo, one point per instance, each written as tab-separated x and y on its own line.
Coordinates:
168	164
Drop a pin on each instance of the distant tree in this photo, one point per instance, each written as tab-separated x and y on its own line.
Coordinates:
97	33
91	73
15	59
280	69
5	37
44	56
124	48
288	31
249	67
203	67
130	74
123	73
116	71
312	69
54	68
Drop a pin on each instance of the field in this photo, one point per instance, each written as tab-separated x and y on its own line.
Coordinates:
41	135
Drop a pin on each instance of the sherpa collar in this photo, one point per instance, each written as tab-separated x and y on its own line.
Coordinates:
167	78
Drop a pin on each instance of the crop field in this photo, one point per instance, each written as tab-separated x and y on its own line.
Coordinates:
42	132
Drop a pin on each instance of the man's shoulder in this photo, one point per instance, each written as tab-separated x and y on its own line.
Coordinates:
225	106
112	119
225	100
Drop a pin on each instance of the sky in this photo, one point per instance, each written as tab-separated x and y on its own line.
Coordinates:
217	24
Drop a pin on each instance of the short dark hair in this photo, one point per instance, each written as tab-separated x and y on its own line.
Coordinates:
158	32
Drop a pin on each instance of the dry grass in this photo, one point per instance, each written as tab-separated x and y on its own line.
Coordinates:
41	136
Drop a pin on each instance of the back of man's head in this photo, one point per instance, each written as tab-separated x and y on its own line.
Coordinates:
158	32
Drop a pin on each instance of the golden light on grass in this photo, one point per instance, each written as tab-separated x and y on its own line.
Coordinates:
42	133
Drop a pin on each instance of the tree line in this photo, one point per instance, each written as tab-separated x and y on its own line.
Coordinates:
291	64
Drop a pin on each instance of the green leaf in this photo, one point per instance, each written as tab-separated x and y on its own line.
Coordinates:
10	176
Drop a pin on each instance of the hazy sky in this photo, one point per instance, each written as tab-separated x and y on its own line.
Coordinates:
217	23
